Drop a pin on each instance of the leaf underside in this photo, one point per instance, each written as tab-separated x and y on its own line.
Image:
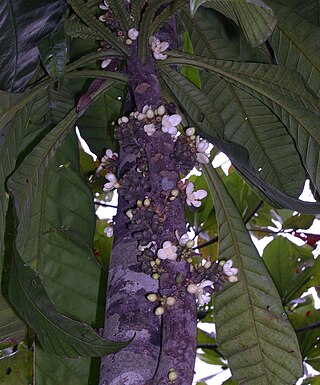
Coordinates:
253	331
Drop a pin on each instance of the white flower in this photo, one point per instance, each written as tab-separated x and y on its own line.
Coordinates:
169	123
230	271
184	240
202	297
194	197
158	47
133	34
109	155
168	251
109	231
202	145
149	129
113	181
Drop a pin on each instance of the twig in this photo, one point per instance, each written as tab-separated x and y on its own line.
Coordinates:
309	327
207	346
215	239
96	202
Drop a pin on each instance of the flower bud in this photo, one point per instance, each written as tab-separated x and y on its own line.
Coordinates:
172	376
150	114
207	264
128	41
190	244
190	131
175	192
159	310
192	288
147	202
233	278
141	116
171	301
161	110
155	276
152	297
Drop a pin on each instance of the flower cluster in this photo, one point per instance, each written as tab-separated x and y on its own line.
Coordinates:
158	47
202	146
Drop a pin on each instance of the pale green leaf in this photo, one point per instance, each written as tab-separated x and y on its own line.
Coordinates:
253	331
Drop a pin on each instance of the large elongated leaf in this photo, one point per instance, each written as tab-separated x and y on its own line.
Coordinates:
194	102
58	334
247	121
23	24
188	95
309	10
254	16
297	44
281	90
253	331
54	54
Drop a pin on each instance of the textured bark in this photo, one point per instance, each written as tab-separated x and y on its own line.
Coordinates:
128	313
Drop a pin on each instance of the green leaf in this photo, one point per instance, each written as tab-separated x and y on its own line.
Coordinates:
253	331
85	14
121	14
299	221
96	123
247	121
289	266
281	90
19	54
54	54
296	44
256	18
25	181
202	112
190	73
58	334
75	28
312	381
17	369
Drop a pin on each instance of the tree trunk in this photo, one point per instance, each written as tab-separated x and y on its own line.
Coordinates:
128	312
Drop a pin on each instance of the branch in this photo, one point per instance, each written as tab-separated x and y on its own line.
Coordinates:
309	327
96	202
248	219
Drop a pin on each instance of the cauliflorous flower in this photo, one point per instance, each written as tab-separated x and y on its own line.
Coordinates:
158	47
184	240
113	181
133	34
109	231
202	296
194	197
109	154
202	145
168	251
170	122
104	6
149	129
229	271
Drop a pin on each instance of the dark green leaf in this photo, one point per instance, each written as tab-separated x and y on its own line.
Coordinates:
253	331
23	25
296	44
256	18
54	54
75	28
17	369
299	221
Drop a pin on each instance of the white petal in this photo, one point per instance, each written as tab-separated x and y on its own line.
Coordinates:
189	203
175	119
165	129
111	177
202	158
184	239
133	33
159	56
109	153
205	283
196	203
227	265
166	244
200	194
145	108
190	188
172	130
165	119
162	254
233	279
105	63
163	46
202	146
